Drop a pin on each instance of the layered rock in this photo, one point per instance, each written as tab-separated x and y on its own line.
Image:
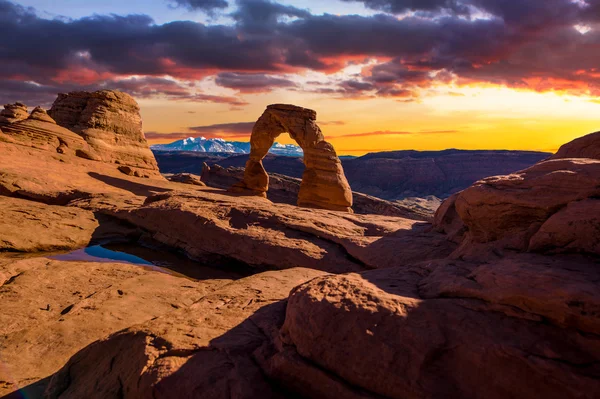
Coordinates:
110	122
323	182
513	210
187	178
256	232
40	114
40	131
13	113
52	308
203	350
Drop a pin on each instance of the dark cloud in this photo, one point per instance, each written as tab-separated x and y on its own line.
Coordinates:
144	87
264	15
402	6
529	44
251	82
208	6
225	129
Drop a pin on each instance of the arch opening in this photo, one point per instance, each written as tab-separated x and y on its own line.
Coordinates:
324	185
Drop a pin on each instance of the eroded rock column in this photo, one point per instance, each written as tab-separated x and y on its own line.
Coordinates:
324	184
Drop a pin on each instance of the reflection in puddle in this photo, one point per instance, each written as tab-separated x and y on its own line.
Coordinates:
151	259
98	253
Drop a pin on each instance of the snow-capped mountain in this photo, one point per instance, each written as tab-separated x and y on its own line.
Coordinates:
202	144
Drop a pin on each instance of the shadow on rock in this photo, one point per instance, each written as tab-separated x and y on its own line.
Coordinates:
139	189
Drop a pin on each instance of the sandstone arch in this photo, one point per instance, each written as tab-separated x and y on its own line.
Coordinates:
324	184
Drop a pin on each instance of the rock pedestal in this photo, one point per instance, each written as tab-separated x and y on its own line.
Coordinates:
13	113
110	122
324	184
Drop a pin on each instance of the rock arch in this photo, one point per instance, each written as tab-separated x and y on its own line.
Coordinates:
324	184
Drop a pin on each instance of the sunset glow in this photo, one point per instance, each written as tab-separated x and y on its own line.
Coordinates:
382	75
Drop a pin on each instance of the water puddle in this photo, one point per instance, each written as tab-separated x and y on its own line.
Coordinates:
151	259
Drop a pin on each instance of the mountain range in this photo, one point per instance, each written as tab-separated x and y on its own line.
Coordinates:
202	144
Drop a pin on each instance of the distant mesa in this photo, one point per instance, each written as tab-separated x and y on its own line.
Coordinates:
218	145
324	184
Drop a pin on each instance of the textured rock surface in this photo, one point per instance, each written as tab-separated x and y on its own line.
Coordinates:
110	122
512	208
461	312
255	231
51	309
40	114
323	182
583	147
13	113
38	131
187	178
476	337
28	226
204	350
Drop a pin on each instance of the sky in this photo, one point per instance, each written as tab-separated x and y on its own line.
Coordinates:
381	74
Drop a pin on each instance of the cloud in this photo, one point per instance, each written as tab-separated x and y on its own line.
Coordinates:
167	136
377	133
236	129
252	82
527	44
208	6
394	133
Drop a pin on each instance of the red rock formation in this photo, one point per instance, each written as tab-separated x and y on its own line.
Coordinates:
323	182
13	113
285	189
512	209
110	122
583	147
482	319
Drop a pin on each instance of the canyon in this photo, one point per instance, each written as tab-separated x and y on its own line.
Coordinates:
495	296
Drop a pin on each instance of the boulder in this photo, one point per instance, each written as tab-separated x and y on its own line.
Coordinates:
187	178
257	232
13	113
323	182
27	226
584	147
40	114
396	333
511	209
110	122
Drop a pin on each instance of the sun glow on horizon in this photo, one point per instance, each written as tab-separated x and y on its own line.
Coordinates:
444	116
